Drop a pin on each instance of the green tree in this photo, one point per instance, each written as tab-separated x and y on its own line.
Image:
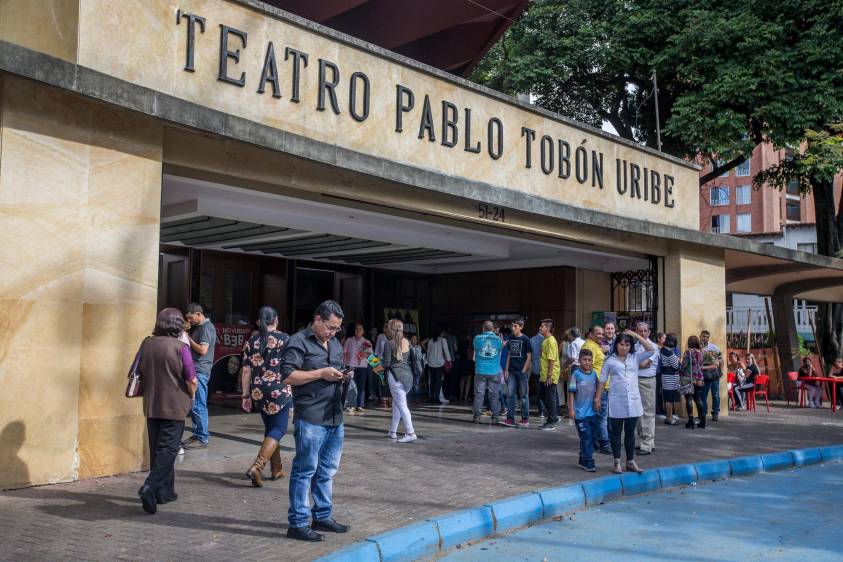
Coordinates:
731	74
814	167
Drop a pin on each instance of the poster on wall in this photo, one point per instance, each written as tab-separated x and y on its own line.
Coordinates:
225	374
409	316
622	320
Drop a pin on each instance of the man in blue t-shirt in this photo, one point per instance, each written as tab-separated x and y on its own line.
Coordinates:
583	391
517	373
487	370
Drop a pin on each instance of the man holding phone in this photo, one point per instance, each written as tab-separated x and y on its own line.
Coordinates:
312	365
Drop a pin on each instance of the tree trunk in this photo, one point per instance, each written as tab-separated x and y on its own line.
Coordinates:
829	315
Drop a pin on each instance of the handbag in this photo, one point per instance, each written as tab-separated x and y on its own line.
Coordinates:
711	375
134	388
686	376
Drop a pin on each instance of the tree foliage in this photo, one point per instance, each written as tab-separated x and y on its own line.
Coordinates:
731	74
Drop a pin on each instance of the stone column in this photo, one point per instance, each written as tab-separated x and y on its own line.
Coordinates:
80	192
787	342
695	298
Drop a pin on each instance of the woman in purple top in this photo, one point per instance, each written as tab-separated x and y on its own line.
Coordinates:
169	383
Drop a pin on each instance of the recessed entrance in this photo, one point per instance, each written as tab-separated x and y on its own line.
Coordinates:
234	249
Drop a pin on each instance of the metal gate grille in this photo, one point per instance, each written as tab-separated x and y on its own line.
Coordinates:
637	292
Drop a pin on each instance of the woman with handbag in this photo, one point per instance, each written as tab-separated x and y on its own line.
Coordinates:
169	384
264	391
398	363
691	382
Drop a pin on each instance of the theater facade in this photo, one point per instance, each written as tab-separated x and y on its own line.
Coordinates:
231	153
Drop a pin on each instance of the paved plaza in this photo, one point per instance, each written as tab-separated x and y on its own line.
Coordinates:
791	514
381	484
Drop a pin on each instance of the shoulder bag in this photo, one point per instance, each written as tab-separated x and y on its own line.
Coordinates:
134	388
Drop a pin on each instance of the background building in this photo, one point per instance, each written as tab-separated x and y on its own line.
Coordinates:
783	218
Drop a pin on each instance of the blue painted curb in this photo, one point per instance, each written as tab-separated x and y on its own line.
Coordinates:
777	461
517	511
804	457
448	530
363	551
743	466
679	475
601	490
562	499
634	483
713	470
408	543
834	453
463	526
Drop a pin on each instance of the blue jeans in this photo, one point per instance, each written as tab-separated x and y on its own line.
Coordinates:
361	379
199	411
715	397
714	388
587	428
601	434
417	386
318	453
275	426
518	391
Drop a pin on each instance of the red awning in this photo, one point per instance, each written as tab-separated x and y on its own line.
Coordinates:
452	35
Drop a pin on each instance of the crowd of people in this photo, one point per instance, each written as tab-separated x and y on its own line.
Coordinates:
612	386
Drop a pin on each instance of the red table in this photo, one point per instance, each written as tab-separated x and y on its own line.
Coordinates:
833	381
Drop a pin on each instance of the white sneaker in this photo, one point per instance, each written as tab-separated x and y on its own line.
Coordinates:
662	417
675	418
181	450
409	438
392	435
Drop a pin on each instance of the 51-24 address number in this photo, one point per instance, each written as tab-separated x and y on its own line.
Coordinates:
491	212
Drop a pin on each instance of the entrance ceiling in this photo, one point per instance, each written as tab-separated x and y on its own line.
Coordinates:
220	217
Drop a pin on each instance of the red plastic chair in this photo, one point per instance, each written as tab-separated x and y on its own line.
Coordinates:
762	383
793	376
730	381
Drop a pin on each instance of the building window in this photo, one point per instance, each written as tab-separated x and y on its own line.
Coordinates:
742	169
743	222
719	196
720	223
810	248
793	187
717	164
794	209
743	195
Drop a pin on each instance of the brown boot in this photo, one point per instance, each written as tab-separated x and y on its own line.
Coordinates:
255	472
276	468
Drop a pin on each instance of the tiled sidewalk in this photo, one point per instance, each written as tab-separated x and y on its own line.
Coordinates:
381	485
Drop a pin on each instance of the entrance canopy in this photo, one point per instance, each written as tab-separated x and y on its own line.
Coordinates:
764	275
449	35
214	216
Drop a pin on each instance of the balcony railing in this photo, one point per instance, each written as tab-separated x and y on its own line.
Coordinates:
737	319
